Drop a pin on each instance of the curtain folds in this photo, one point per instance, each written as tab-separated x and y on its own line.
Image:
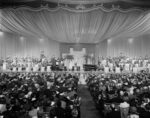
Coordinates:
71	27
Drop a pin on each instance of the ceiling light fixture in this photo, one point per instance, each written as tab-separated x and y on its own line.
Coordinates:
1	33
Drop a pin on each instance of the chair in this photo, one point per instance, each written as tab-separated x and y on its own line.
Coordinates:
4	66
48	68
42	69
117	69
35	69
14	69
28	69
136	65
106	69
148	65
127	67
19	69
135	70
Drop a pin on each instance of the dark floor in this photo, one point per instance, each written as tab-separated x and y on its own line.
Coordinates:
88	109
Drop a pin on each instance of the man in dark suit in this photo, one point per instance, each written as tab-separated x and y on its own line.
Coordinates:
58	112
146	114
114	114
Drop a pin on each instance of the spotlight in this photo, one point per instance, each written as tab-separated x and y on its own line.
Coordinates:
109	40
1	33
41	40
21	38
131	40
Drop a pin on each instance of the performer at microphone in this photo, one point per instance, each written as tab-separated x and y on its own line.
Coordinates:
75	67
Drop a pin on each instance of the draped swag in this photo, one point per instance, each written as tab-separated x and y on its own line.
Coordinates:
72	27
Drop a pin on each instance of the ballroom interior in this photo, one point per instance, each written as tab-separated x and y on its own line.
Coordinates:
74	58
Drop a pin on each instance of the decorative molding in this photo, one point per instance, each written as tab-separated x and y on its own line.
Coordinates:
77	8
85	5
80	7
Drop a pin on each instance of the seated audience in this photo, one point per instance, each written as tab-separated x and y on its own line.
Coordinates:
38	95
127	93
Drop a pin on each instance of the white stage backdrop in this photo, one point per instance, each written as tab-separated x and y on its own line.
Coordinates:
14	45
65	47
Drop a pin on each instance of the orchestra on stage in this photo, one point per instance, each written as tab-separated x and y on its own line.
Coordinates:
43	64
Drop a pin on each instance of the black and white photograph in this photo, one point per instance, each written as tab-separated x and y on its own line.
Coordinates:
74	58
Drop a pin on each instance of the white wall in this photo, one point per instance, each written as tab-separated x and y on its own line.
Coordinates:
12	45
101	49
132	47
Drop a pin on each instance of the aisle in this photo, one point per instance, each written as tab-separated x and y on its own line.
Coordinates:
88	109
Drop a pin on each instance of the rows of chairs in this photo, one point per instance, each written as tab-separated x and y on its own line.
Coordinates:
119	70
28	69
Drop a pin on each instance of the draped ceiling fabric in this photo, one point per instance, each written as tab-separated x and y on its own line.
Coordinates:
75	27
75	21
123	4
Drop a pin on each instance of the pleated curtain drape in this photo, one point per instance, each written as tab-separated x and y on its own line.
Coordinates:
72	27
